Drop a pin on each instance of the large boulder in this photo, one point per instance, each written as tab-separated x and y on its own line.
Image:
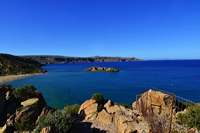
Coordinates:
104	117
89	109
154	103
30	110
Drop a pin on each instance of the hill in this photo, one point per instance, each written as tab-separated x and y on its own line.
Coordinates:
13	65
45	59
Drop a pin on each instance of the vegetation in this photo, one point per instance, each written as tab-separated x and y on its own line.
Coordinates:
124	104
24	126
73	109
23	93
191	117
98	97
12	65
59	119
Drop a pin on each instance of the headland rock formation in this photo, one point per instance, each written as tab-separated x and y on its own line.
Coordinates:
14	65
65	59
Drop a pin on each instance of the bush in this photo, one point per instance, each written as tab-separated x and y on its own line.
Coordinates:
98	97
24	126
191	118
25	92
60	119
73	109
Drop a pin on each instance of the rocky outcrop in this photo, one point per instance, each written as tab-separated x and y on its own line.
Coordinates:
154	102
125	119
102	69
89	109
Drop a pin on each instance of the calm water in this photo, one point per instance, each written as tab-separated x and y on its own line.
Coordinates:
68	84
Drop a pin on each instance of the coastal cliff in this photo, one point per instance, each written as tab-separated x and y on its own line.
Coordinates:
14	65
65	59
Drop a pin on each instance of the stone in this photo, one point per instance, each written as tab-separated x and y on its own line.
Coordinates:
49	129
89	108
154	102
7	128
30	102
7	90
9	110
104	117
108	104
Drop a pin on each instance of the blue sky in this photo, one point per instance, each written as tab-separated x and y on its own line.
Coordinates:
145	29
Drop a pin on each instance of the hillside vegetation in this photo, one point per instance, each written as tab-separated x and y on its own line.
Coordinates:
13	65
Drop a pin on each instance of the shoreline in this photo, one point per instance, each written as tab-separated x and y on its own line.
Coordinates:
14	77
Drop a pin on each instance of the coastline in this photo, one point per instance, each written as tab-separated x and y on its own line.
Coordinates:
13	77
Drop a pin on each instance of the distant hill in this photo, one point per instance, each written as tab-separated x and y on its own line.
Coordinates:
65	59
13	65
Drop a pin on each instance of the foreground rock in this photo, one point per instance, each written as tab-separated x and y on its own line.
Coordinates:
102	69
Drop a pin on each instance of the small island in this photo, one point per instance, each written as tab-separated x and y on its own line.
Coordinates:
96	68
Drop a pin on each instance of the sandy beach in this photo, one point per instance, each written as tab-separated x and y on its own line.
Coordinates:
13	77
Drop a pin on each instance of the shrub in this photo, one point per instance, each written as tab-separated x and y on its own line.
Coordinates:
73	109
24	126
25	92
191	118
124	104
60	119
98	97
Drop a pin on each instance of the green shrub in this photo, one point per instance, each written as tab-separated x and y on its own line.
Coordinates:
98	97
25	92
191	118
73	109
124	104
60	119
24	126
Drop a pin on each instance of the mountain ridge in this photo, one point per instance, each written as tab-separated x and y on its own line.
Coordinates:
52	59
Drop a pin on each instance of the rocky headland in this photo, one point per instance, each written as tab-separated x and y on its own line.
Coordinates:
102	69
25	110
15	65
47	59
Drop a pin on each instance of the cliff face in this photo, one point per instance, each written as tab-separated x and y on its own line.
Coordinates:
65	59
12	65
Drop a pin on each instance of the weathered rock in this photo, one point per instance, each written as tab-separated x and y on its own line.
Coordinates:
30	102
89	109
115	108
108	104
104	117
30	111
9	110
2	102
7	128
112	70
154	102
102	69
49	129
6	88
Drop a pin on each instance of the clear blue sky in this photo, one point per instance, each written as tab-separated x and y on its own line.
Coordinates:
145	29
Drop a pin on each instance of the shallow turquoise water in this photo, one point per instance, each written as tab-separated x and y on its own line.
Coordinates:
68	84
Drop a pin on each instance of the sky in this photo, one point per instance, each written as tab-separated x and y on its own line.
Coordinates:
145	29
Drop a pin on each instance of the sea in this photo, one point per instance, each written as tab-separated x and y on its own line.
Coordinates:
68	84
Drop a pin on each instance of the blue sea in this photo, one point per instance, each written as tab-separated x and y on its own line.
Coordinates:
68	84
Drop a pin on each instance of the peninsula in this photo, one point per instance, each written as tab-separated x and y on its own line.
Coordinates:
50	59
